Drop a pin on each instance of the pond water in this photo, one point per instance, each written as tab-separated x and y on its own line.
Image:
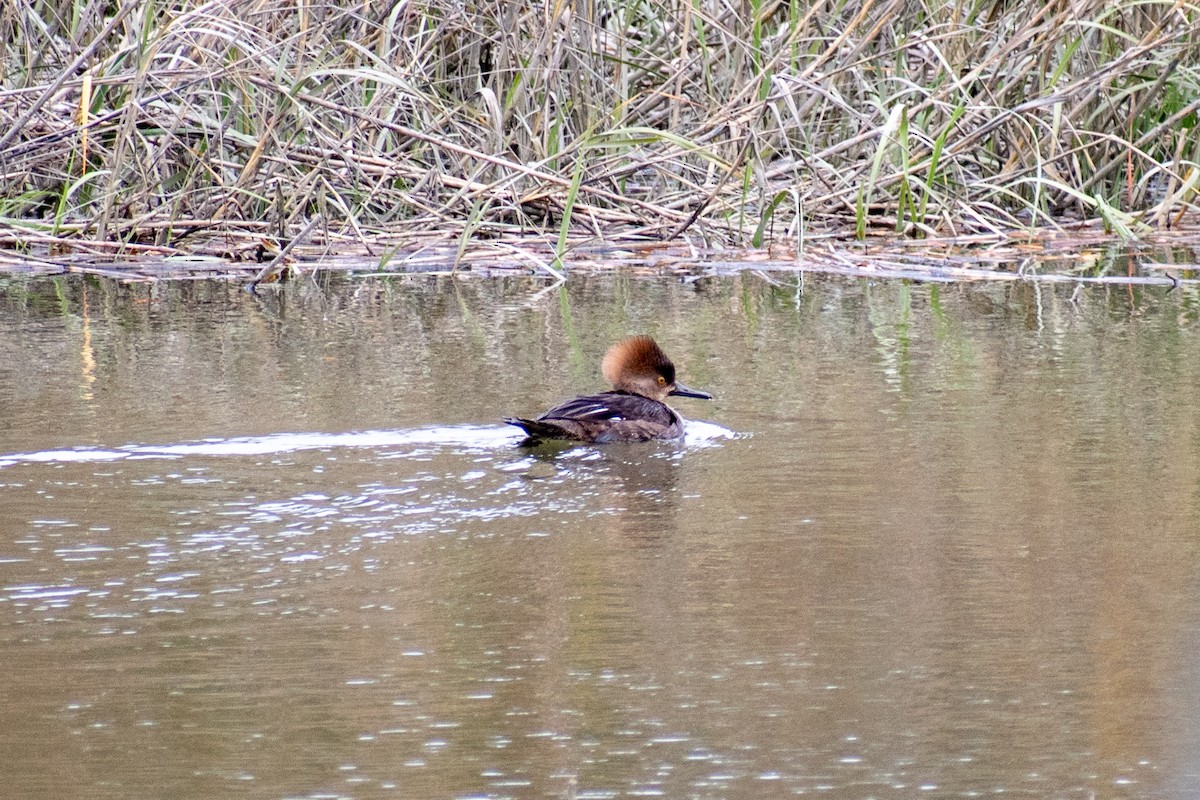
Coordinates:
927	541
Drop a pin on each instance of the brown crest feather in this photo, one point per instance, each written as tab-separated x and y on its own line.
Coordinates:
637	355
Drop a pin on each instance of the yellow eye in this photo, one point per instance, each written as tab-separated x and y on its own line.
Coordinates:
661	380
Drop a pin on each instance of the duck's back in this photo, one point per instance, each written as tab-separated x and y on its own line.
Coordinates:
603	418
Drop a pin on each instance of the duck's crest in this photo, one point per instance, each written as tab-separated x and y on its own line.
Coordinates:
637	355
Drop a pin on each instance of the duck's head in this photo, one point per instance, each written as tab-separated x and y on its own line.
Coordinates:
638	365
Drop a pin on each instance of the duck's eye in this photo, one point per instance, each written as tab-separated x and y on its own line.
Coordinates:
662	381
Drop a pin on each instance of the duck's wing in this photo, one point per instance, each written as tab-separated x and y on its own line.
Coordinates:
596	407
605	417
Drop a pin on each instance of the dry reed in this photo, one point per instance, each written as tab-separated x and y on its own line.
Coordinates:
736	123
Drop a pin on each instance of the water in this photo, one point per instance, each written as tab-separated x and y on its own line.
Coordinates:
927	542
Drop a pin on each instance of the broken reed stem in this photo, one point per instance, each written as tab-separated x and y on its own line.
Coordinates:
276	265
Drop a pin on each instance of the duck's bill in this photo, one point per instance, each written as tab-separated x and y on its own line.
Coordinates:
683	391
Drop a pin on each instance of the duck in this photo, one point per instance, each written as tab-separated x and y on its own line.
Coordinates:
634	411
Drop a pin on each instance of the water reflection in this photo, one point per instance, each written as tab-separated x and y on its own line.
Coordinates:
287	543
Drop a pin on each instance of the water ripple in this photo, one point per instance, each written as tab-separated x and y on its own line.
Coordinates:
461	437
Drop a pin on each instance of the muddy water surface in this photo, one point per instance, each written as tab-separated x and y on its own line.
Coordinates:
929	542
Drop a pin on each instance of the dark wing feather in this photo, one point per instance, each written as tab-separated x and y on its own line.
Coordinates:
593	407
604	417
613	406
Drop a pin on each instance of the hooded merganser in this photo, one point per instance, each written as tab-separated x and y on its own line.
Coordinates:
642	376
